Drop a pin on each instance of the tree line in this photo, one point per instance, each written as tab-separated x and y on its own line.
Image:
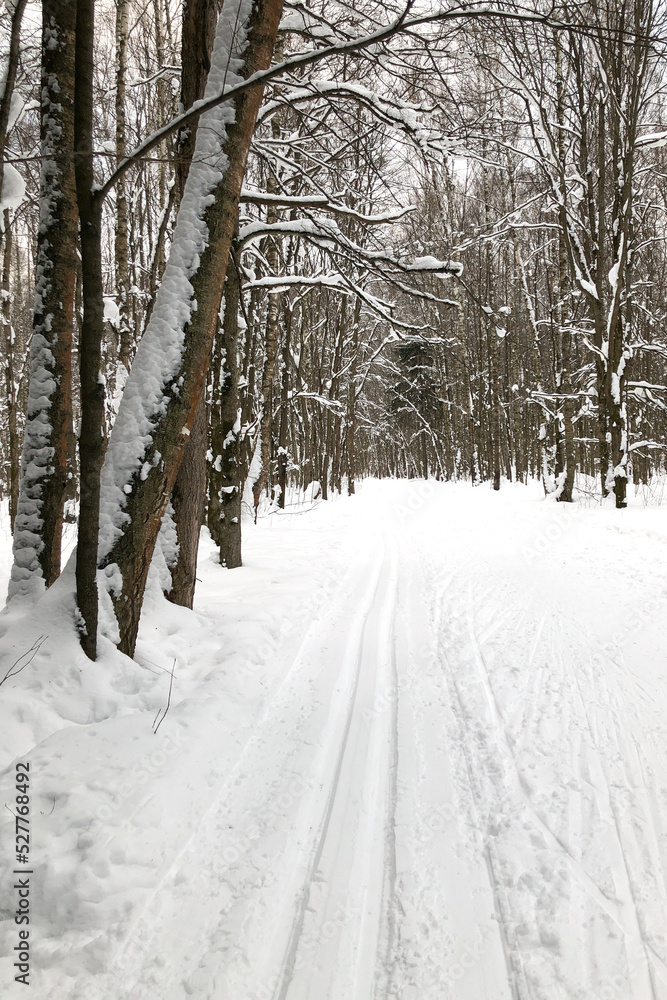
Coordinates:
246	249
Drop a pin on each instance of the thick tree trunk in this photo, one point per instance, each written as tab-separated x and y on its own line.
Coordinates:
43	490
198	35
141	467
189	493
92	436
187	498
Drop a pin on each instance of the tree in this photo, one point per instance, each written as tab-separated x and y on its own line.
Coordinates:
189	492
43	486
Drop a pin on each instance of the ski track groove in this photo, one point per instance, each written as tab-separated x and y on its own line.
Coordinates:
179	862
594	736
638	927
386	634
287	970
516	977
609	805
606	806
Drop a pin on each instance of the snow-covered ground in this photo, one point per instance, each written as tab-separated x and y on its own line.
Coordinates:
416	748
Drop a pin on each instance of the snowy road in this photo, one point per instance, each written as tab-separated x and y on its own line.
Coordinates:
456	785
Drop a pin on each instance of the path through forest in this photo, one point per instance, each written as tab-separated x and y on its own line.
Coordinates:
456	788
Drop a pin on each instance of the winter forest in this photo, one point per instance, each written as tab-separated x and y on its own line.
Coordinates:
332	496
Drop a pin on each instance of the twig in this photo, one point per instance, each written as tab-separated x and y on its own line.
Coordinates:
34	650
171	681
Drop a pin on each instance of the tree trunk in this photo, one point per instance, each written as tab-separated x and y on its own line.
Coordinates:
147	443
567	406
187	499
43	489
91	439
11	388
271	356
198	35
224	517
8	89
351	418
6	249
285	408
189	493
125	330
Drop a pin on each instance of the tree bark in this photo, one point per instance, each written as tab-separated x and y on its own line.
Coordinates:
10	80
351	417
198	35
567	406
189	493
283	455
224	516
263	480
125	330
92	436
11	388
187	500
44	481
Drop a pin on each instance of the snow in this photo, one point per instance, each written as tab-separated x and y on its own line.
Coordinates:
429	263
415	748
13	188
654	139
111	311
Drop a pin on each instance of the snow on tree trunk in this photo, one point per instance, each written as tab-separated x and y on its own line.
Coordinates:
43	487
168	375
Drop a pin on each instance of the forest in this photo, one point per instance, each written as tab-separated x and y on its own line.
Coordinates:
332	477
410	242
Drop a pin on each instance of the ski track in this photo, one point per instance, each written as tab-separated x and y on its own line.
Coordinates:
456	799
331	791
